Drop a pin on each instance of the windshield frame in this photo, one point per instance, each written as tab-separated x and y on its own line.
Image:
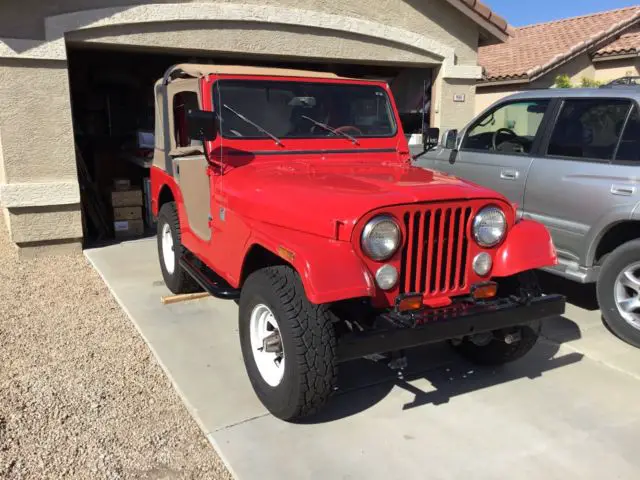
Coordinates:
390	105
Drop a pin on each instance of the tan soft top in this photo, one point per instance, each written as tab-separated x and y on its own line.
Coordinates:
194	70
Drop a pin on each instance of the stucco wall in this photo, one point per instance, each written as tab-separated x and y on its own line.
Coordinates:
434	18
579	67
34	225
38	152
486	96
35	122
251	40
608	70
450	113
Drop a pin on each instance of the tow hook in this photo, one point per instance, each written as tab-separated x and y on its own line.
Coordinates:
398	361
513	337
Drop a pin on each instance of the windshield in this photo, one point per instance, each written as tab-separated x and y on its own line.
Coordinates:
302	110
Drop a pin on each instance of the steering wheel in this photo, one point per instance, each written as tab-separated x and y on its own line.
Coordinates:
349	127
506	131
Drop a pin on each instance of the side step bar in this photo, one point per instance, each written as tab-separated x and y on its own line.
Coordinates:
214	284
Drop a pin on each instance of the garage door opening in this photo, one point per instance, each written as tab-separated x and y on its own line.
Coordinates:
113	119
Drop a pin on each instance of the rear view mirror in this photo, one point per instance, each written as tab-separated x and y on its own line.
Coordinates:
450	139
202	125
430	138
537	108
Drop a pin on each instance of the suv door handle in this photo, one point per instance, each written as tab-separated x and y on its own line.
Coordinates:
624	190
509	174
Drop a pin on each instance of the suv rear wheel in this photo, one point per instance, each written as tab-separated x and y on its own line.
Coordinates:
288	343
170	250
618	291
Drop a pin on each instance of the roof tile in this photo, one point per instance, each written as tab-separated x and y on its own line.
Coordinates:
627	43
485	12
534	48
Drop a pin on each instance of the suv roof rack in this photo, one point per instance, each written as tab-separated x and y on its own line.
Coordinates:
628	81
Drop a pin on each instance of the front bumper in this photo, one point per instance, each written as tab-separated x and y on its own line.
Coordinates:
394	331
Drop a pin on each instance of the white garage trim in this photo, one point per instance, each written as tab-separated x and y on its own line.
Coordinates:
56	27
16	195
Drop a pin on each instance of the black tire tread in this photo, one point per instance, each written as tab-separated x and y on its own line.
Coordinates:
313	335
612	264
180	282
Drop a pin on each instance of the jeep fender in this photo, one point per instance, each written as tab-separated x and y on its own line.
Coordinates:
159	181
330	269
528	246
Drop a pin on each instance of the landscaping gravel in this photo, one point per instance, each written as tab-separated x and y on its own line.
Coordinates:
81	396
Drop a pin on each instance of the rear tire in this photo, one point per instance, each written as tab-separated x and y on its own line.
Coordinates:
496	351
170	250
307	343
613	290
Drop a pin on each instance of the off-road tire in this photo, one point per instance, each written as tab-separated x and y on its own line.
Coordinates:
614	263
497	352
179	281
308	339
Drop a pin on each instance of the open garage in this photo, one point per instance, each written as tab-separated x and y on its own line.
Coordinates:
113	119
76	85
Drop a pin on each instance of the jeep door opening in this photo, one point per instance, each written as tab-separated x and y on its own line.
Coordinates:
293	192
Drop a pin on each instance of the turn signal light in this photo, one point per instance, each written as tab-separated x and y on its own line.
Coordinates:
484	290
411	302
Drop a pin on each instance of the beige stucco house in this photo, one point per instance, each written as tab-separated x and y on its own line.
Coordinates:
600	47
408	41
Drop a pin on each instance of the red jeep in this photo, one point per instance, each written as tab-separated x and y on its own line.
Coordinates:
294	192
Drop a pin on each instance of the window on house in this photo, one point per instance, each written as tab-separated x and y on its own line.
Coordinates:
629	148
510	128
588	128
182	103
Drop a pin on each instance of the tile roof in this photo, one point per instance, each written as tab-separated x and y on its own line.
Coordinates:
487	14
533	50
626	44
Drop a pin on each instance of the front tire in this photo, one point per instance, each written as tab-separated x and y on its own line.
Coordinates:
170	250
494	350
288	344
618	291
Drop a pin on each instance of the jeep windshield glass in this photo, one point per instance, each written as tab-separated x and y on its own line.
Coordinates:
283	109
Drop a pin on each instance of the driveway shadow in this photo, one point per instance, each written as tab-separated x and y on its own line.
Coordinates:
364	383
581	295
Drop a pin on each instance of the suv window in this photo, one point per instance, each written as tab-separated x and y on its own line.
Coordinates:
588	128
629	149
510	128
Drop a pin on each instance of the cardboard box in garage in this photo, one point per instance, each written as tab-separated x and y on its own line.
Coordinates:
126	198
127	213
128	228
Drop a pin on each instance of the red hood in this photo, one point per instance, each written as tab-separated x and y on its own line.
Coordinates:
311	196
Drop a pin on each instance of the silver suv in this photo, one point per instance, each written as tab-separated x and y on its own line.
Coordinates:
571	160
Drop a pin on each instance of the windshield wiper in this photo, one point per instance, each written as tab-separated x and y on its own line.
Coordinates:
332	130
258	127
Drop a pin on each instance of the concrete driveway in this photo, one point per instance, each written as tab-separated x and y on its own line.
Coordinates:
568	410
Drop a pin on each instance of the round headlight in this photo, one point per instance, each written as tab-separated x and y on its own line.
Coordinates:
380	238
387	277
489	226
482	263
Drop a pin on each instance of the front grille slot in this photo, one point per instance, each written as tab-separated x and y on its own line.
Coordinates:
434	259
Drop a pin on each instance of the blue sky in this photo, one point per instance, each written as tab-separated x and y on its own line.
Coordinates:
525	12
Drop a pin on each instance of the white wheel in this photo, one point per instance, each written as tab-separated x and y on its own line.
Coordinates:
168	256
266	344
